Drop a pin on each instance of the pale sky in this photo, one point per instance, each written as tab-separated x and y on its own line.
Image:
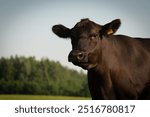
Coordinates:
25	25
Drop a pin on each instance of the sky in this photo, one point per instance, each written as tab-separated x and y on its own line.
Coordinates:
25	25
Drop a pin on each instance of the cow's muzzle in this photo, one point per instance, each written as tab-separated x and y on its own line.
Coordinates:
76	56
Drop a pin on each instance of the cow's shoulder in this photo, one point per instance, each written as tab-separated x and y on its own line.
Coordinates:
132	42
145	42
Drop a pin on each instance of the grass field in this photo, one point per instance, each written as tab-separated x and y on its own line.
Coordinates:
40	97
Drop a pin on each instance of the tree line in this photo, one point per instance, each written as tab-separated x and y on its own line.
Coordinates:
26	75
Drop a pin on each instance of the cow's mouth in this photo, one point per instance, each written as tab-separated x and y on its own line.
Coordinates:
80	64
81	59
84	65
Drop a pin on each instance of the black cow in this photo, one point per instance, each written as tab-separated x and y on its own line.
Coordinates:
118	65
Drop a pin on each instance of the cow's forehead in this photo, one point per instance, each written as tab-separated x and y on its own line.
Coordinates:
83	22
85	25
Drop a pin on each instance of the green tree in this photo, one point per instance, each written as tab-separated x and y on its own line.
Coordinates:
22	75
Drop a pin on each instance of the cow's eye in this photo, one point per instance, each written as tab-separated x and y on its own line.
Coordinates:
93	36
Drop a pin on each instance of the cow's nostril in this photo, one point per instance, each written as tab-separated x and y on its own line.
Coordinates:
80	56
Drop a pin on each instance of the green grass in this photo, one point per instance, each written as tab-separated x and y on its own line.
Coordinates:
40	97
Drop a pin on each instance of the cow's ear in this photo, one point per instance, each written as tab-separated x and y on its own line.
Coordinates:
110	28
61	31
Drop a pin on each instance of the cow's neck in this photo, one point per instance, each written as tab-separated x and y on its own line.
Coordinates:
106	56
100	85
99	76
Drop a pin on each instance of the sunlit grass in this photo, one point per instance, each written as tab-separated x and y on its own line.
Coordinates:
40	97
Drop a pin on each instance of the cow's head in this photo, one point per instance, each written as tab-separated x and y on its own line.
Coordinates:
86	37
